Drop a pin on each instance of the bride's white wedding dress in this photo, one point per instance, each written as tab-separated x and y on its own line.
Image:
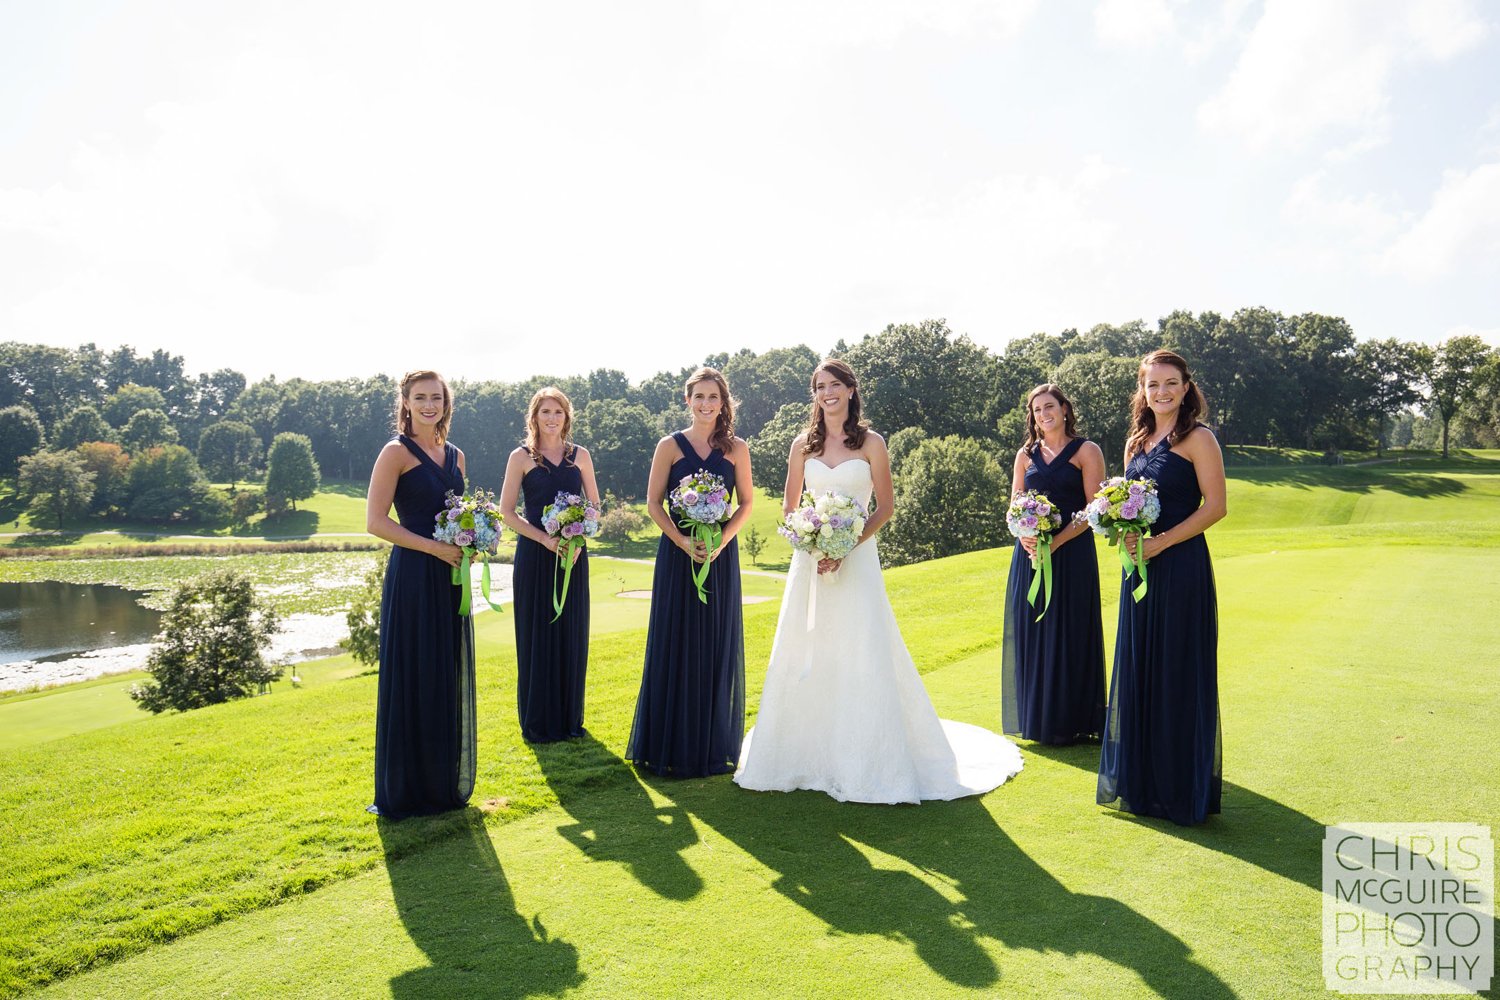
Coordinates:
843	710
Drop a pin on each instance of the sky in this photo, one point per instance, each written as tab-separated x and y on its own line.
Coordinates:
499	190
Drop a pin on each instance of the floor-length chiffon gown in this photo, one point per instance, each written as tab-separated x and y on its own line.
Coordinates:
1162	754
424	715
690	714
1052	671
551	656
843	710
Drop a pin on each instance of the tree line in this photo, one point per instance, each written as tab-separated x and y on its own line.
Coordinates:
945	403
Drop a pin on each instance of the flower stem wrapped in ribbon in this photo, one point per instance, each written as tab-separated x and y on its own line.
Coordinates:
472	522
1032	514
1126	505
826	526
571	519
701	505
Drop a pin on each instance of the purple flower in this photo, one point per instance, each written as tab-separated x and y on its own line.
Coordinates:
689	498
463	539
590	514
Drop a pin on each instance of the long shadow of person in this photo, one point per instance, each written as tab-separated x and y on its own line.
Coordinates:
1255	829
1252	828
821	850
455	902
615	820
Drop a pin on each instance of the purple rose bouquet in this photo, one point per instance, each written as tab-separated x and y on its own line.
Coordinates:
472	522
701	505
1032	514
1126	505
572	519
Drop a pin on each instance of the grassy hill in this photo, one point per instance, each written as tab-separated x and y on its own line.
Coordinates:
225	852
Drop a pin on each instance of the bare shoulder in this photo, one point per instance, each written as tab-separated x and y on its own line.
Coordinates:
1202	438
1091	449
581	454
666	446
393	452
875	442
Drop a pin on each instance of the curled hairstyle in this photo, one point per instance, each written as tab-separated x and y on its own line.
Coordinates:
1143	421
1070	421
403	411
723	435
855	429
533	442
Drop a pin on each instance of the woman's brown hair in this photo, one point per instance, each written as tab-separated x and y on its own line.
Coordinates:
1143	420
723	435
855	429
403	412
533	442
1070	422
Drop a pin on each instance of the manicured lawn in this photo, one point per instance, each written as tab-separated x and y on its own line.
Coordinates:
224	852
338	508
37	717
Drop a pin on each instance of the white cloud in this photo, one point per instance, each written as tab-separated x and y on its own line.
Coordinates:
1323	70
1460	231
1127	24
1327	231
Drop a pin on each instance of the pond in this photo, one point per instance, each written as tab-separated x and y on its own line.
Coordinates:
46	621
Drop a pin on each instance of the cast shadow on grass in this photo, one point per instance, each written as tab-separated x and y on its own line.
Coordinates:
345	488
1356	480
456	904
623	826
289	524
822	851
1252	828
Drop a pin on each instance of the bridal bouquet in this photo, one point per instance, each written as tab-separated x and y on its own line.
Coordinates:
1125	505
701	505
472	522
572	519
1033	515
826	526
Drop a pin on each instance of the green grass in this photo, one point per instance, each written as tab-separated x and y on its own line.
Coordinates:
1350	691
337	508
38	716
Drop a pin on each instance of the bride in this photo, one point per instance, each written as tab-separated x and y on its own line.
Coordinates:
843	710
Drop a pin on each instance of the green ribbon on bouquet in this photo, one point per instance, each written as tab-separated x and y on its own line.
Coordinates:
1136	564
462	578
1042	578
565	549
710	535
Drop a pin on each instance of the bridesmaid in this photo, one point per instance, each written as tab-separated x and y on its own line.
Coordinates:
1053	670
690	715
1161	754
424	713
551	657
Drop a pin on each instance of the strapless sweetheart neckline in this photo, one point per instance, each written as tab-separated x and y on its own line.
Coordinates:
830	468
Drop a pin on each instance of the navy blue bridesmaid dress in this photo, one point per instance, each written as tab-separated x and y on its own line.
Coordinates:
1161	754
424	715
690	715
1052	671
551	657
